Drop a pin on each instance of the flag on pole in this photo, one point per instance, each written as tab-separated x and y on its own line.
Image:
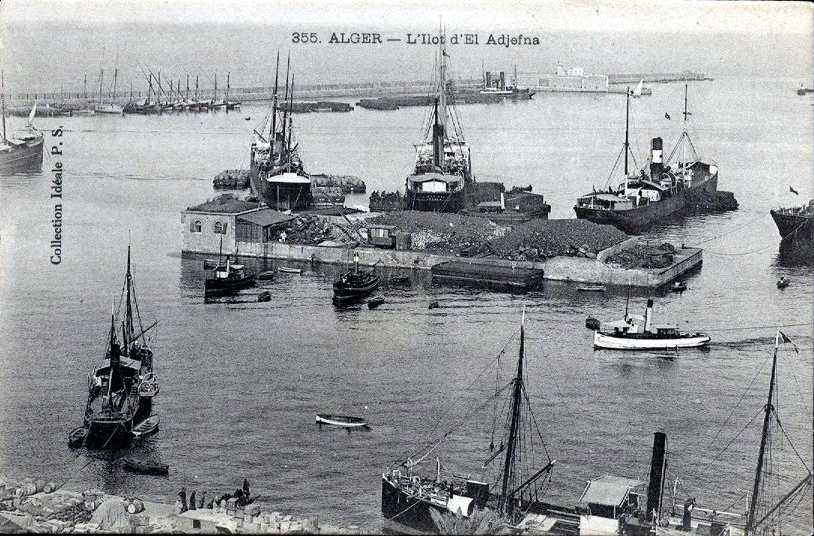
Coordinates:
785	339
792	190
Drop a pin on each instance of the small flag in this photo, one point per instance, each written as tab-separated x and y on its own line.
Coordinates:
792	190
785	340
666	115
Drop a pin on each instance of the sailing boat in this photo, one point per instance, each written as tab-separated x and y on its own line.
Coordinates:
443	162
21	152
230	105
656	192
275	166
511	491
111	107
637	91
215	103
120	394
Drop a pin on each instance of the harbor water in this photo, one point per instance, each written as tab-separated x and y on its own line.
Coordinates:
241	380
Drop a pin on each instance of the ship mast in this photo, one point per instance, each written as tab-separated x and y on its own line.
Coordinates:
442	78
506	505
627	128
3	102
274	110
285	104
128	307
290	113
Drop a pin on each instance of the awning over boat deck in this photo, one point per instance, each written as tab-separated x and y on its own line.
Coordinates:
289	178
611	198
608	490
443	177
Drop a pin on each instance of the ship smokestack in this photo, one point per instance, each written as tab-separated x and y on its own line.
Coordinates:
656	158
488	79
648	315
502	80
658	466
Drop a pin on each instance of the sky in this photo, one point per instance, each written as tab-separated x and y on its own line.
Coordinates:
571	15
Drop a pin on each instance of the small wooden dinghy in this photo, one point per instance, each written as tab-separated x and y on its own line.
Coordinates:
264	296
268	274
344	421
375	301
678	286
146	427
591	288
288	270
782	283
77	437
433	305
144	467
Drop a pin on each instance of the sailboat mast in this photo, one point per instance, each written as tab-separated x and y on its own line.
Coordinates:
128	319
769	408
85	87
506	505
115	78
3	101
228	75
216	88
196	87
101	77
683	145
187	86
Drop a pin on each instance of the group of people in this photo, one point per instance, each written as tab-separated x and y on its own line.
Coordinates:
243	497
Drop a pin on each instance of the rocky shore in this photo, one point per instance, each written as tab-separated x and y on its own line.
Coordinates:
40	507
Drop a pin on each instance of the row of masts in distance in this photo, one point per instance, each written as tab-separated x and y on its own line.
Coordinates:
170	96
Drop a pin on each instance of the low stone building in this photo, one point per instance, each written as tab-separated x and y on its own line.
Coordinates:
229	225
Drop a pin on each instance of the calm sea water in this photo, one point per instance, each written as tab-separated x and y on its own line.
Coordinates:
241	380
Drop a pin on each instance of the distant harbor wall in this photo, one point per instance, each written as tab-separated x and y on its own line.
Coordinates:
635	78
577	269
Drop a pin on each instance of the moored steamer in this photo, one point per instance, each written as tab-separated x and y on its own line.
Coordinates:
795	224
656	192
443	162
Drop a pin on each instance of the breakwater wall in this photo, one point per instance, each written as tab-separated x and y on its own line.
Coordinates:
576	269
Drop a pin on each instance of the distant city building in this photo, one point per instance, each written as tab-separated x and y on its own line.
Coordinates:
573	79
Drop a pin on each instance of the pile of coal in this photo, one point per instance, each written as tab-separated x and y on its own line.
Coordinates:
231	179
644	255
386	201
347	183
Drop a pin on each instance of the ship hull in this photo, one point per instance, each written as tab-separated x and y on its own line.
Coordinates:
408	511
434	202
794	227
610	342
636	220
21	157
108	434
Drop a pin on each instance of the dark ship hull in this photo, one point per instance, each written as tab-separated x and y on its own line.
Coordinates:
23	156
355	289
637	219
435	202
222	286
794	227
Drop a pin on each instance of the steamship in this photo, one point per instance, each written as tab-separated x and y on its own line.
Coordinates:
443	163
654	193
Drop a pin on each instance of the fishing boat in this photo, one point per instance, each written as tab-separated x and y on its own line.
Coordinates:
795	224
225	276
657	191
144	467
117	405
275	167
110	107
635	332
20	152
355	284
509	480
443	162
344	421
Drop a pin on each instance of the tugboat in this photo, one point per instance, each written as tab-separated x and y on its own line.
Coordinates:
276	170
639	333
225	276
516	467
23	152
644	199
443	163
120	394
354	284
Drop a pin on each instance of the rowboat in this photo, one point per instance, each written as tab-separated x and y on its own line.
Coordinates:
782	283
268	274
375	301
287	270
77	437
144	467
146	427
345	421
591	288
678	286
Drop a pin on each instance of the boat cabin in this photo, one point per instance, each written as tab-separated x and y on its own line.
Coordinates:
605	499
434	182
382	236
606	201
